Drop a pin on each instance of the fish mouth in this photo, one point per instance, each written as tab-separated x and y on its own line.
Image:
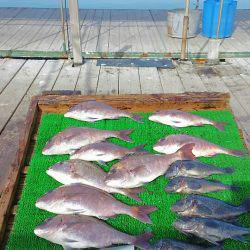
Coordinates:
38	232
168	189
50	172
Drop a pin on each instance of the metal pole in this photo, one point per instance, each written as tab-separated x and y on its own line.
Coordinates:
75	32
184	31
219	19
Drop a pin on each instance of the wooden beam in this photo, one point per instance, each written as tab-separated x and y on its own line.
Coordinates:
75	32
185	31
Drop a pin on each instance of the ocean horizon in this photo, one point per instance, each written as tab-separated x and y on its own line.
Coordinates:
112	4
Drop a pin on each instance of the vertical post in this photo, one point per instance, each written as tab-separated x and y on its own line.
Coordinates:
75	32
63	26
214	44
184	31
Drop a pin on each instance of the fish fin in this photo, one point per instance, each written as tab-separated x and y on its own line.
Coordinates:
186	151
137	118
227	170
103	163
234	188
246	205
141	241
204	210
139	170
237	153
133	193
220	125
138	149
68	240
123	134
92	119
194	185
239	238
141	213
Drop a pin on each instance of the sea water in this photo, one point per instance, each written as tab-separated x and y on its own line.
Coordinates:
112	4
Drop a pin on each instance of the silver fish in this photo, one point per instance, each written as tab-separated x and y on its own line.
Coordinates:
86	200
205	207
172	143
214	231
76	231
91	111
78	171
170	244
181	119
195	169
188	185
103	152
134	171
70	139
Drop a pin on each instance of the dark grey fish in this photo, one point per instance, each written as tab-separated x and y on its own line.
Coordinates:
79	231
212	230
170	244
91	111
188	185
86	200
195	169
200	206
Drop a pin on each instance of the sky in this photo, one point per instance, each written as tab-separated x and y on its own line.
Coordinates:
111	4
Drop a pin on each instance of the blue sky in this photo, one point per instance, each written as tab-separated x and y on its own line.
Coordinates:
111	4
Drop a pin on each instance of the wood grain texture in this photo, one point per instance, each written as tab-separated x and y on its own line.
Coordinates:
140	103
9	192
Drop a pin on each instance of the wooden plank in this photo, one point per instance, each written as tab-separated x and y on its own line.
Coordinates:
150	81
103	40
171	81
108	80
75	32
24	28
88	78
129	80
94	34
10	135
190	79
8	70
68	77
141	102
8	194
19	86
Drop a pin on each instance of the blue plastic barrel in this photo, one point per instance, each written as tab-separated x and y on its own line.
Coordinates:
211	10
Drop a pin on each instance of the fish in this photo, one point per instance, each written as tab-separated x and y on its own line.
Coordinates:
189	185
136	170
172	143
70	139
79	171
86	200
181	119
79	231
211	230
195	169
104	152
205	207
171	244
92	111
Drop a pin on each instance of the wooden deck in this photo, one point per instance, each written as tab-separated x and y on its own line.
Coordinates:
108	31
21	79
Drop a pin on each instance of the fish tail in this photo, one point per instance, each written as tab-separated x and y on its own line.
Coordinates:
220	125
236	152
137	118
233	188
124	134
138	149
227	170
246	205
133	193
141	213
141	241
186	152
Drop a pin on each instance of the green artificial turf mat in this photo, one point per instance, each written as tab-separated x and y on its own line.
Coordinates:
38	182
